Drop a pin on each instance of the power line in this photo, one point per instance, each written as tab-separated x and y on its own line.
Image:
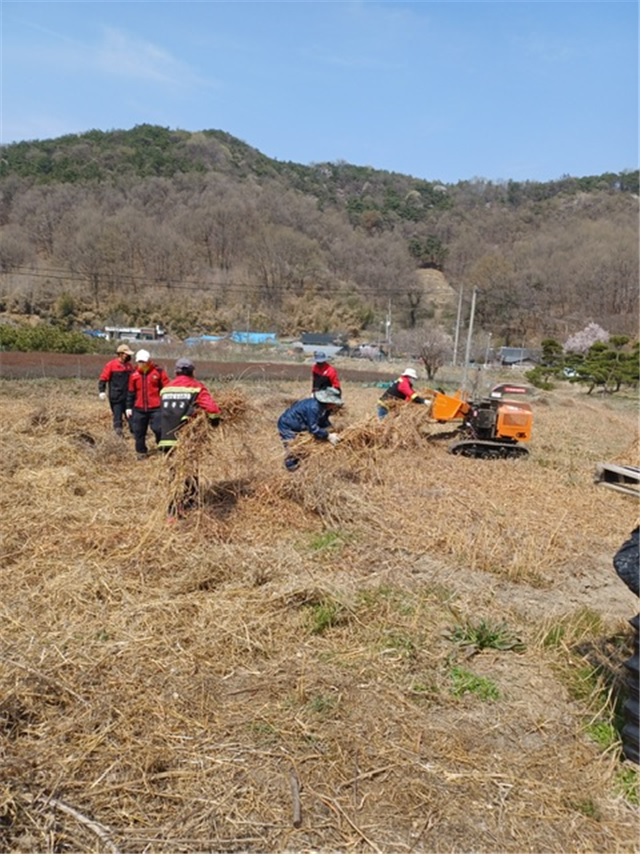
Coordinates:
243	288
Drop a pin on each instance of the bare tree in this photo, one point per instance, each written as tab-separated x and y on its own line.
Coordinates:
218	227
39	211
280	258
499	298
428	343
15	249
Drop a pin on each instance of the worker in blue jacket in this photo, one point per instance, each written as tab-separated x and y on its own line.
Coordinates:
310	415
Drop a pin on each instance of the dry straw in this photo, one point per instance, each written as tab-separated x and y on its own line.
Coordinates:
275	671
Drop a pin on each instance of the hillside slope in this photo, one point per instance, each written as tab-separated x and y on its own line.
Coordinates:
201	232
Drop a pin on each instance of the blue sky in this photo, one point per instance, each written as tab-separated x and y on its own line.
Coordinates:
438	90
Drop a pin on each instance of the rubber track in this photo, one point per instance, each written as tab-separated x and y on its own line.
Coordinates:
488	449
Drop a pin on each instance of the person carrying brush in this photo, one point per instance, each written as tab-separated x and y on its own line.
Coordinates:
400	390
181	399
311	415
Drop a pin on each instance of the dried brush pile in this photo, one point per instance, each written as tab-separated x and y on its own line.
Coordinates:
235	406
283	670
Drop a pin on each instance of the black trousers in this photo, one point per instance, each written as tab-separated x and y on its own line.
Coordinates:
140	422
118	415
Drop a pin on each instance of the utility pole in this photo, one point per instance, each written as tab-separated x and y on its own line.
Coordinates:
490	336
471	323
388	329
456	345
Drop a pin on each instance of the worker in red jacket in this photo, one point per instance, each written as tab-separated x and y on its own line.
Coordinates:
144	402
182	399
400	390
116	374
324	375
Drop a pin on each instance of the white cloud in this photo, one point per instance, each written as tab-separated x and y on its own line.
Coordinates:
114	53
125	56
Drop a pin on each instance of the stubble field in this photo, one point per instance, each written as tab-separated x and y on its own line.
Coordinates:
390	650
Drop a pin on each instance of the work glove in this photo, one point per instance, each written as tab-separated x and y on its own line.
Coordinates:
333	438
102	396
128	413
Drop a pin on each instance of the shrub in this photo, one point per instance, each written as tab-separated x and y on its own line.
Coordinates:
44	338
485	634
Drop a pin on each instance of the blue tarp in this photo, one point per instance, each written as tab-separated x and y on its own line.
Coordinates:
197	340
247	337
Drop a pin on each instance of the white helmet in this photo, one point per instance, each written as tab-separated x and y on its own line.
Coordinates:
142	356
409	373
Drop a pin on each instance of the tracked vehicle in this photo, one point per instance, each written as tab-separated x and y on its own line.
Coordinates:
493	427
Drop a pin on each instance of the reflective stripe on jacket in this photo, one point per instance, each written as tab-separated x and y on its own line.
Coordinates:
180	399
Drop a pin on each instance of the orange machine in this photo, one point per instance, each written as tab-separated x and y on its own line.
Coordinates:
493	427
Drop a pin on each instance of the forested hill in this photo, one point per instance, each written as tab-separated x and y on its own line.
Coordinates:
199	230
152	151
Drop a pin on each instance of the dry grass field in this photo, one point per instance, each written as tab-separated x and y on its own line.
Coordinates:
391	650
